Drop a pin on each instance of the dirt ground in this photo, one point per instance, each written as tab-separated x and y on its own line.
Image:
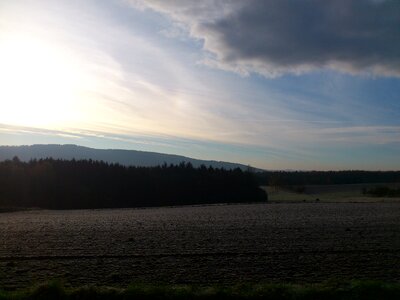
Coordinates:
289	242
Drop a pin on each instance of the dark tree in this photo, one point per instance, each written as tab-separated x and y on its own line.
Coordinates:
284	178
61	184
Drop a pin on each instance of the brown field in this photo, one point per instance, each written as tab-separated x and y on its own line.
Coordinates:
296	242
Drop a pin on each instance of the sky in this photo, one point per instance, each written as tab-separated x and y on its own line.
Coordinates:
288	84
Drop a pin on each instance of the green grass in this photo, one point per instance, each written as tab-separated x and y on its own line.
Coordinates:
365	290
338	193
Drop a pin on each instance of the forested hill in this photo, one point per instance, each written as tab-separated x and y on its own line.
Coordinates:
123	157
62	184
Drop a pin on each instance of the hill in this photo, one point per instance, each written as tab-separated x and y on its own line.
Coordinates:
123	157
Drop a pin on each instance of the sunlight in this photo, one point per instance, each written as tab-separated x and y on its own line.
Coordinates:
39	82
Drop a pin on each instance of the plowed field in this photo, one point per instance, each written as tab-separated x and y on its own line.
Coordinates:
297	242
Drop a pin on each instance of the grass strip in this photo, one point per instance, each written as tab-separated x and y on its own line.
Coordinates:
328	291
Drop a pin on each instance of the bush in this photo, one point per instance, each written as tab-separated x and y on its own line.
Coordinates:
382	191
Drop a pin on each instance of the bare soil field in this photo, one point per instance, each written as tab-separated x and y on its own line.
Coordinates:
223	244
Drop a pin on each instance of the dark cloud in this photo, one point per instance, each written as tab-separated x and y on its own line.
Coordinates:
272	37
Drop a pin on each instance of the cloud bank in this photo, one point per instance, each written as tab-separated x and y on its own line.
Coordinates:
272	37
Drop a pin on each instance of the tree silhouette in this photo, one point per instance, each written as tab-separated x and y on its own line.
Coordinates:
62	184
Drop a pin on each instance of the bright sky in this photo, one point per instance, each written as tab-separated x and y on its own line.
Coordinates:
275	84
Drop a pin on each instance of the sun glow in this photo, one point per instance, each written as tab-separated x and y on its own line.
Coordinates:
39	82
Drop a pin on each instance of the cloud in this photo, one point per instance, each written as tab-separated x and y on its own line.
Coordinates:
356	135
289	36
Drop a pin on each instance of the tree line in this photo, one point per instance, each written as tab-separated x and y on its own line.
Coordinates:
67	184
290	178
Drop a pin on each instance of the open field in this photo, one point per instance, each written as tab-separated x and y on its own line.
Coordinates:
328	193
224	244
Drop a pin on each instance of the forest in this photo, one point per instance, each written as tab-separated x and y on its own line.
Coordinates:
290	178
70	184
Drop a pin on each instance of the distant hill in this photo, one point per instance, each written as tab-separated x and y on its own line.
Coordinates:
123	157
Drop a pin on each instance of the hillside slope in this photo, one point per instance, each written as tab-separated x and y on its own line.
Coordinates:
123	157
